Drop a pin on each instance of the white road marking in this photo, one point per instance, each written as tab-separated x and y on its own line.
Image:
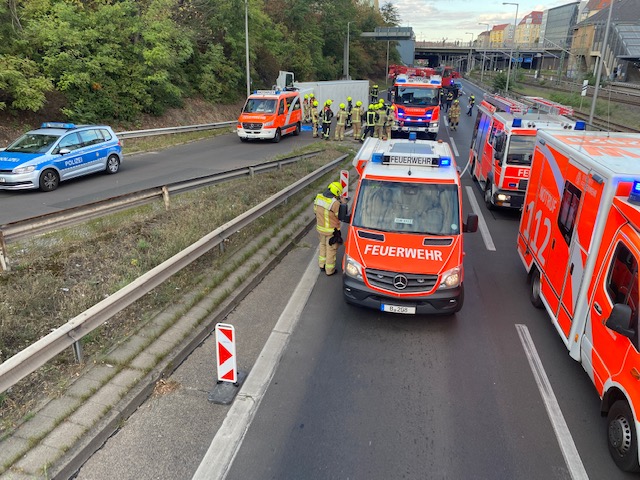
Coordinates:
482	225
453	145
228	439
565	440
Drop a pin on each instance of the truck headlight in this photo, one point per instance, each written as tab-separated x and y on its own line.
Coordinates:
28	169
434	124
353	268
451	278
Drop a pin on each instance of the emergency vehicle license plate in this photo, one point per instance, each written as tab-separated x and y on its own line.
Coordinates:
396	309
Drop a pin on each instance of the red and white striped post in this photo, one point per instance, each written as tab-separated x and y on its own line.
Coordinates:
226	353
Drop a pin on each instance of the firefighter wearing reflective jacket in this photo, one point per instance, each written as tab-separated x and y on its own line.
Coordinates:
327	115
349	110
371	123
326	207
389	123
315	118
380	122
341	122
356	120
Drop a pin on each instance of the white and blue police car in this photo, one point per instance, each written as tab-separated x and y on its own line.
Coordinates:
56	152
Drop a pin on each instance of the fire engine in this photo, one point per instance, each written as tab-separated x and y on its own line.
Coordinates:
417	104
502	145
404	251
579	240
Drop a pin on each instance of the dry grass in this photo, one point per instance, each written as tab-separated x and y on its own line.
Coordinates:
57	276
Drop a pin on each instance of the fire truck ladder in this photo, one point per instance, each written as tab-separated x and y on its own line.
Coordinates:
547	106
505	104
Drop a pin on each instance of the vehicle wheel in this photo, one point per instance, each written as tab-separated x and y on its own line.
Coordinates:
534	295
488	195
460	299
113	164
244	139
622	438
49	180
296	132
277	136
472	167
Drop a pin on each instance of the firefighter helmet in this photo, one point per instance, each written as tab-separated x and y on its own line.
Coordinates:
306	96
348	99
311	95
315	103
358	103
342	105
335	188
329	102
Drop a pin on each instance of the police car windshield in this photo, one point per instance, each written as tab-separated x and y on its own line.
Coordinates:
520	149
32	143
417	96
260	105
423	208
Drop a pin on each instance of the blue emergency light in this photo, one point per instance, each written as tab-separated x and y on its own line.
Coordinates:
517	123
445	161
57	125
580	126
401	80
377	158
634	196
412	136
434	82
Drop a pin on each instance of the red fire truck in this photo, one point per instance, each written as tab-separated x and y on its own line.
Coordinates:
417	105
502	144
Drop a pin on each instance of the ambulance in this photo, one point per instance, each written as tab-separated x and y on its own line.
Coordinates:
502	144
404	249
417	105
270	114
579	240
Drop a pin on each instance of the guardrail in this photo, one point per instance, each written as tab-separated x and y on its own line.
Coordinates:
15	231
168	130
33	357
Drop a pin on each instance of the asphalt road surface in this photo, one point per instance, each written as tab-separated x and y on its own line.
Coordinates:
358	394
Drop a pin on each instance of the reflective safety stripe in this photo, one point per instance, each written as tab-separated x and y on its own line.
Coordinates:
326	203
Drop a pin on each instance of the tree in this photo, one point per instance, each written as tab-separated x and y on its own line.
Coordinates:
390	14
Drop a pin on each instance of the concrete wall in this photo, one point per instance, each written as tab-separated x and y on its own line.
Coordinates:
337	91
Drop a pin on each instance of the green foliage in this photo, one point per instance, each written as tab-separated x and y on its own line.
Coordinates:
500	82
117	59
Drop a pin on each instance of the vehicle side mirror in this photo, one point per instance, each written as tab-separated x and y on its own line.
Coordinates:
64	151
343	213
620	319
471	225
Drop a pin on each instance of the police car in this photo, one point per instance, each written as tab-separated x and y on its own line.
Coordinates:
56	152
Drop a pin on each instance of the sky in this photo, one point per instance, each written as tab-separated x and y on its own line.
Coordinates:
451	19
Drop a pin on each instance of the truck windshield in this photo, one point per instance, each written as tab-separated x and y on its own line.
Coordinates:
520	151
260	105
417	96
423	208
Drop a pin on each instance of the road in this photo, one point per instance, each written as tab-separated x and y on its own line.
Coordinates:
358	394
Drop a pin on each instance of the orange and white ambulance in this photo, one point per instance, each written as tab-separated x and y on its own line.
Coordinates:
579	240
502	144
404	249
270	114
417	104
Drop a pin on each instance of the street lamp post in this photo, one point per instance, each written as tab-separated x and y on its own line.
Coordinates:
469	57
346	61
599	72
513	40
484	55
246	37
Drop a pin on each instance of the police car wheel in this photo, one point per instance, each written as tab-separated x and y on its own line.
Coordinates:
277	136
113	164
49	180
296	132
534	295
622	438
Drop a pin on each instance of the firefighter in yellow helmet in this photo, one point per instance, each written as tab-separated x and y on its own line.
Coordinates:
380	121
305	109
326	207
391	116
315	118
341	122
349	110
370	122
373	93
356	120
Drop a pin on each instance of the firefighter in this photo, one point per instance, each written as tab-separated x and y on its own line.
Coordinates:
315	118
389	123
373	93
305	109
370	122
341	121
349	110
356	120
380	121
449	100
472	102
327	116
326	207
454	114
